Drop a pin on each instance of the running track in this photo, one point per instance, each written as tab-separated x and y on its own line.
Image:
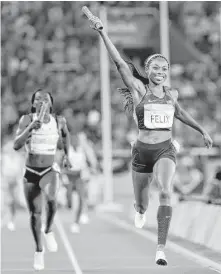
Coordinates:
109	244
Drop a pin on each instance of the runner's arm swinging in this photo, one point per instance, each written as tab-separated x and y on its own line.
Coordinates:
121	65
65	135
186	118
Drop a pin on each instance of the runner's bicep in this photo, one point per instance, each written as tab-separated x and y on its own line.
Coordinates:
64	128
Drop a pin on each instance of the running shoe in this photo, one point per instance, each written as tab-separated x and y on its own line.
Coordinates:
160	258
51	243
75	228
39	260
84	219
11	226
139	220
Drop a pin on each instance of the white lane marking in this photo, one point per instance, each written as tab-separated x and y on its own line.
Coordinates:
67	246
117	269
30	270
16	270
170	245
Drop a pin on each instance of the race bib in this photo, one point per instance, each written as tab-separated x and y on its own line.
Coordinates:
158	116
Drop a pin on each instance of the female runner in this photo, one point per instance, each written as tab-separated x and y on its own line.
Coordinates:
39	131
153	154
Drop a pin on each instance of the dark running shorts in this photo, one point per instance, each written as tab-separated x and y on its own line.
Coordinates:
144	156
34	174
75	180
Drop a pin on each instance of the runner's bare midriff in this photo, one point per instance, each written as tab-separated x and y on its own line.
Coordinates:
154	136
37	160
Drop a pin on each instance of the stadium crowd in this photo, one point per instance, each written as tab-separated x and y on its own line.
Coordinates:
48	43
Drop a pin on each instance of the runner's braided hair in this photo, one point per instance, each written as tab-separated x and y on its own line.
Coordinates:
125	92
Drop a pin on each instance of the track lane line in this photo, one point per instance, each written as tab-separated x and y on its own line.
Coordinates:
67	245
170	245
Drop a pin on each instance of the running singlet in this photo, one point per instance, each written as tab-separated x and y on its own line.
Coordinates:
77	158
155	113
44	140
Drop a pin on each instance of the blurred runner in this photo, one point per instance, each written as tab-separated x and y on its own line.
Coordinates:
84	162
12	164
212	191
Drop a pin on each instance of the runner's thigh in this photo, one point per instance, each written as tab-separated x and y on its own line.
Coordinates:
50	184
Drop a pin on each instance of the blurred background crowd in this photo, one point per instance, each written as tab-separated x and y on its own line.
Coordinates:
50	44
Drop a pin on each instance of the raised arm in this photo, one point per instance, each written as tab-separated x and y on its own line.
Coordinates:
126	74
121	65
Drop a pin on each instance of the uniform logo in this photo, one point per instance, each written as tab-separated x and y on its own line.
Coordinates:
152	101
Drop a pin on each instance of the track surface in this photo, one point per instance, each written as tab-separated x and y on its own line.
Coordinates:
109	244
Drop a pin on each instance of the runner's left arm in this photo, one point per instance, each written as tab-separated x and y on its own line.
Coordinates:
89	151
186	118
65	135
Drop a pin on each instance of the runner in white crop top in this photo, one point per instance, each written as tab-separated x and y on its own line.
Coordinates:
40	131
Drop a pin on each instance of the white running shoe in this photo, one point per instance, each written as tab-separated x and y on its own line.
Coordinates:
51	243
84	219
11	226
139	220
39	260
160	258
75	228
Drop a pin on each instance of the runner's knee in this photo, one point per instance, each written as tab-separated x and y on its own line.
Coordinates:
165	194
52	197
165	197
35	216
